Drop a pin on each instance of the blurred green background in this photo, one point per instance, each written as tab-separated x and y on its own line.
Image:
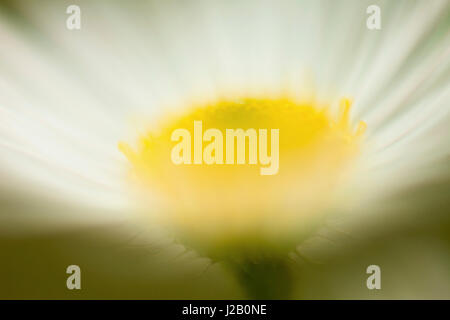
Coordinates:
122	261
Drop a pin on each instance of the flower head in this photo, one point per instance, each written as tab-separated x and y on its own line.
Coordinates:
227	209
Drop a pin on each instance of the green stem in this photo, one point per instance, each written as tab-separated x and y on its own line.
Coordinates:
265	279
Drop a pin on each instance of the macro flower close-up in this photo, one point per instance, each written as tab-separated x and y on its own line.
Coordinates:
225	149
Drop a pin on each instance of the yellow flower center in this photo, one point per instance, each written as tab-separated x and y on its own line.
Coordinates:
220	207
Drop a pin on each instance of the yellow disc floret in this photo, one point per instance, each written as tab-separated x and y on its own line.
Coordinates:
224	208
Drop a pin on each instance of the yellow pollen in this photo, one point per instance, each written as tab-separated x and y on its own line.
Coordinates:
216	207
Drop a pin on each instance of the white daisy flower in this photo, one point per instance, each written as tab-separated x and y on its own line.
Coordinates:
363	116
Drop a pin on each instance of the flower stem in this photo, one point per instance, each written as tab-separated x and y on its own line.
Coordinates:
263	279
